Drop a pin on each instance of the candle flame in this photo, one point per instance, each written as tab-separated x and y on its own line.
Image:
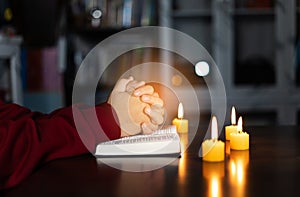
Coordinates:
240	124
180	111
214	128
233	116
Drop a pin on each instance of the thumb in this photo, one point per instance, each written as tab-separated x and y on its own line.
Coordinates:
121	84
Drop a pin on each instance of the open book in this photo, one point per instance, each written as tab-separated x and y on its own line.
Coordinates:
161	142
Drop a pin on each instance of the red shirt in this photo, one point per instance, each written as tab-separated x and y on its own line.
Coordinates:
30	139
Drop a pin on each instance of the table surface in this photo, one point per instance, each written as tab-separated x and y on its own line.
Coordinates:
270	168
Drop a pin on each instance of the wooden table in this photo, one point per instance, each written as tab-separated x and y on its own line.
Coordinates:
270	168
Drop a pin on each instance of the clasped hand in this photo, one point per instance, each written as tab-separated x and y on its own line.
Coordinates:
138	106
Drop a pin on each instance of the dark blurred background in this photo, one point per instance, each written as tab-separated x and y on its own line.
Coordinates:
254	43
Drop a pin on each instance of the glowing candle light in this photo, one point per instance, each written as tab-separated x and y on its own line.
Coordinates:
214	187
214	172
233	127
214	128
182	162
182	125
240	139
238	167
213	149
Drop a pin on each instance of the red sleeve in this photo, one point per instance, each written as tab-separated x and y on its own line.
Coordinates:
29	139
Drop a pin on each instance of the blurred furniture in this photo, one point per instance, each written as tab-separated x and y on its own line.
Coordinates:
10	49
253	43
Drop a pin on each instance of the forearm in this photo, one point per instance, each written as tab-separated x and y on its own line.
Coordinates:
28	139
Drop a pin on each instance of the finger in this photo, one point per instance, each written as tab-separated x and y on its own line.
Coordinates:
148	128
155	94
147	89
130	78
152	100
155	115
158	108
121	84
132	85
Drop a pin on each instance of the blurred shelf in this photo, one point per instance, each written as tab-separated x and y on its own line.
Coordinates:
253	12
88	29
192	13
242	30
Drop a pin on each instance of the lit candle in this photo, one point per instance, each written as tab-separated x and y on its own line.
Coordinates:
213	149
182	125
233	127
240	139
